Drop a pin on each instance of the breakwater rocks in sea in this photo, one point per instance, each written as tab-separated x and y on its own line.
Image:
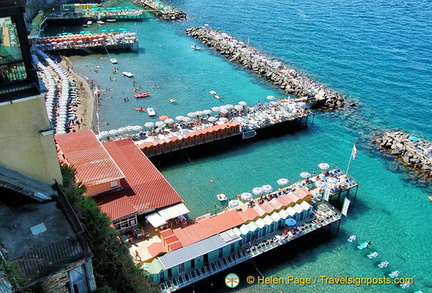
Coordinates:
279	74
411	150
162	10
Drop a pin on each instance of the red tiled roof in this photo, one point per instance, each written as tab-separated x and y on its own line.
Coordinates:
301	193
144	186
249	214
208	227
156	249
83	151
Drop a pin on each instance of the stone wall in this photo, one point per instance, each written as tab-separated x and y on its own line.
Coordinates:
289	79
32	7
411	150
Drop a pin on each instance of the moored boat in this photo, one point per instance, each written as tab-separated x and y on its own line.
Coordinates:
100	22
213	92
111	19
127	74
140	109
221	197
195	47
151	112
89	22
113	60
141	95
173	101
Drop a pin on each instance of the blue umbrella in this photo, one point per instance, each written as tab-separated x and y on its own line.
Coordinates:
246	196
233	203
290	222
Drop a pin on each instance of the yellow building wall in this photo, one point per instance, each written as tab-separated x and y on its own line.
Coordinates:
96	189
23	147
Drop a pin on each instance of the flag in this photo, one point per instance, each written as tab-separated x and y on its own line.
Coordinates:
354	152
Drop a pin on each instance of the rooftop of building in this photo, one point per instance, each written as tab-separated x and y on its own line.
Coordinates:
93	164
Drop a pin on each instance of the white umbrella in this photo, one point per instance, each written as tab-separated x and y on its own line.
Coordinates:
320	184
137	128
207	111
149	124
270	98
257	191
199	113
223	111
187	119
129	128
160	123
282	181
323	166
305	174
191	114
267	188
169	121
223	119
122	130
104	133
233	203
215	109
238	107
242	103
179	118
246	196
113	132
332	180
228	106
212	119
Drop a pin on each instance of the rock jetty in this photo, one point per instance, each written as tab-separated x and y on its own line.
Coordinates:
411	150
162	10
289	79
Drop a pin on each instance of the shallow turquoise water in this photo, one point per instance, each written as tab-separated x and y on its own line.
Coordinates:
376	52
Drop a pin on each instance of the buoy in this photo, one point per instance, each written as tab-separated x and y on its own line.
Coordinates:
211	181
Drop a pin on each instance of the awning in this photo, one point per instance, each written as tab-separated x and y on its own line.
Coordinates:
155	220
173	212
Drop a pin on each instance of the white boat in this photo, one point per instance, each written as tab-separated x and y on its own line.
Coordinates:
195	47
113	60
100	22
111	19
127	74
221	197
89	22
151	112
213	92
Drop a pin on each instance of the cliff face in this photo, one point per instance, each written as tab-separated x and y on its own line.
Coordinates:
33	6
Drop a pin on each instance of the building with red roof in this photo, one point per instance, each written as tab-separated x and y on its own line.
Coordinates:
123	181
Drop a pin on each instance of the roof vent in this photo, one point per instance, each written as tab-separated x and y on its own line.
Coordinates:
38	229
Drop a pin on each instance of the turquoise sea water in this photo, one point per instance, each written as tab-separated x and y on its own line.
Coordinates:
377	52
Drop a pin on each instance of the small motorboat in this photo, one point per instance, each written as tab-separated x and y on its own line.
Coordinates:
111	19
139	109
405	285
221	197
100	22
352	238
89	22
127	74
372	255
394	274
151	112
173	101
213	92
383	264
141	95
217	97
195	47
363	245
113	60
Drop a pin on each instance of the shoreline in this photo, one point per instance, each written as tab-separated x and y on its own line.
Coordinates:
86	113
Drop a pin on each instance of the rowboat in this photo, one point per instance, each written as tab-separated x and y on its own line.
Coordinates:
127	74
221	197
141	95
195	47
139	109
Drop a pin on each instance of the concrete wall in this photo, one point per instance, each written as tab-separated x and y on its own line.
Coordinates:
23	147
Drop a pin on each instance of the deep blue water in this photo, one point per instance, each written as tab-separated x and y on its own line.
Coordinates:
376	52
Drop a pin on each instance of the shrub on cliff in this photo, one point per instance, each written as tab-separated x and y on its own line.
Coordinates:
114	269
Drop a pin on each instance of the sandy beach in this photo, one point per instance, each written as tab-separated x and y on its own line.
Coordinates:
85	110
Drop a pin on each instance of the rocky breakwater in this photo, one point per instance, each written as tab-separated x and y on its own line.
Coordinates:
289	79
411	150
162	10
